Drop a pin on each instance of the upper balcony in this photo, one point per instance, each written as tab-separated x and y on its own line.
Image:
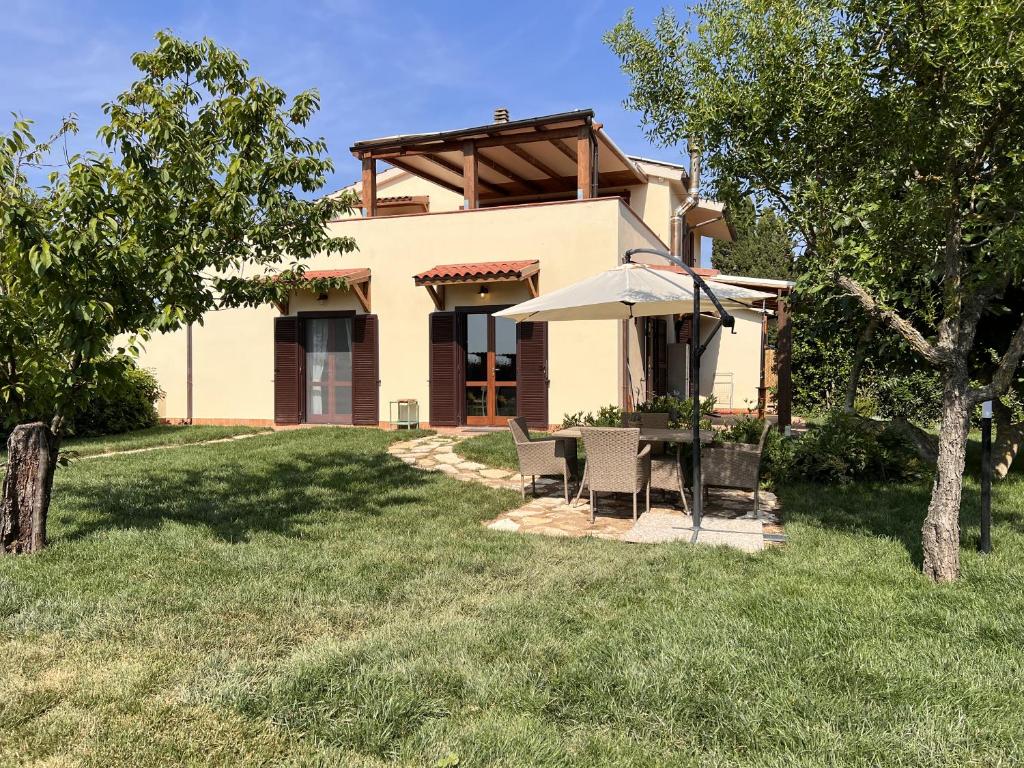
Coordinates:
567	156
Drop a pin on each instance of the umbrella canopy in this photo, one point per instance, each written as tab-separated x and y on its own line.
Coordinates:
629	290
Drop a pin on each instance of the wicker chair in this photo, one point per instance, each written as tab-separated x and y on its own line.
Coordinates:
667	474
734	465
648	421
541	457
616	464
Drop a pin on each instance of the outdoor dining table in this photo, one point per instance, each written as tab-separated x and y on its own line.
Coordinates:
647	435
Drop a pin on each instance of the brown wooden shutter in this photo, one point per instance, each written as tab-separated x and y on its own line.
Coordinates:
365	371
532	373
287	371
684	329
444	370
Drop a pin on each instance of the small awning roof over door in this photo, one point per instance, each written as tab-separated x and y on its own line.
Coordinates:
358	279
437	277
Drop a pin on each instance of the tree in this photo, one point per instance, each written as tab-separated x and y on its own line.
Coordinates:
890	135
194	206
762	248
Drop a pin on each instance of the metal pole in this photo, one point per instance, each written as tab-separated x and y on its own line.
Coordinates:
698	496
188	373
985	544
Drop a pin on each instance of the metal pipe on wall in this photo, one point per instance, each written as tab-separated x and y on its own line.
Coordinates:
188	373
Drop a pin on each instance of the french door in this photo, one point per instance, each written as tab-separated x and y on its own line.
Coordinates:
328	365
490	367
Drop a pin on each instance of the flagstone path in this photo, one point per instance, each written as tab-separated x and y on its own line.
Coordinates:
725	521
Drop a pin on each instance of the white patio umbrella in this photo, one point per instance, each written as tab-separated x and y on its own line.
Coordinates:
642	290
629	290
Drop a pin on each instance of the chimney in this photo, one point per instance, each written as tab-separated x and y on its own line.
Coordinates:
501	115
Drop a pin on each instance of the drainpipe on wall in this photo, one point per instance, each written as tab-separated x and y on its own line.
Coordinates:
677	224
188	373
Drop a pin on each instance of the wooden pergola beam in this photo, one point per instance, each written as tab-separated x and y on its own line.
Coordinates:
418	172
470	176
522	154
509	174
369	191
562	147
440	162
426	148
586	166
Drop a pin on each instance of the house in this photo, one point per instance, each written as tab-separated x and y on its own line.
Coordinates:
457	225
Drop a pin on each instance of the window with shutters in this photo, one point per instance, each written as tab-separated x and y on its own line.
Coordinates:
326	368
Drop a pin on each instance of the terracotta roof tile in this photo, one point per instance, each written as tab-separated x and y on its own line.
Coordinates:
487	270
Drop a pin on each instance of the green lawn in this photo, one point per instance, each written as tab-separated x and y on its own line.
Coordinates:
496	449
147	438
300	598
154	436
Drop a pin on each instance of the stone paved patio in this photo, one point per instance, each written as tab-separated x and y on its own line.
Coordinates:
725	521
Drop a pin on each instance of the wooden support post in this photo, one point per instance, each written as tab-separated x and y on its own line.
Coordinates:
369	187
783	357
470	176
362	292
585	167
436	293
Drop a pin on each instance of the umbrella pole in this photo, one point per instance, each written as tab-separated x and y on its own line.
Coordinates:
696	484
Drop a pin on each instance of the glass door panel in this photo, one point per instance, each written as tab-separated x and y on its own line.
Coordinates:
490	362
328	343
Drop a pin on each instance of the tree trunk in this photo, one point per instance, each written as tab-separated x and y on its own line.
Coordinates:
1008	439
940	535
31	460
859	354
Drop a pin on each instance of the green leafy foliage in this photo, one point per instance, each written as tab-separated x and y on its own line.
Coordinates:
763	246
843	448
124	400
607	416
201	199
680	412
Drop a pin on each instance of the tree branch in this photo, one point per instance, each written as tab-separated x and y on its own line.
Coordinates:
1003	376
890	318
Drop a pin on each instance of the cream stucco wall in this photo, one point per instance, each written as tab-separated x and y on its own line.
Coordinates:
233	351
731	366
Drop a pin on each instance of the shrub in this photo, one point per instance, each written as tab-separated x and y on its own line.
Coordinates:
777	459
844	448
608	416
678	409
124	400
847	447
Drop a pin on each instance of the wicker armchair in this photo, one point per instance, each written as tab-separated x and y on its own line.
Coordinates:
615	464
541	457
648	421
667	474
734	465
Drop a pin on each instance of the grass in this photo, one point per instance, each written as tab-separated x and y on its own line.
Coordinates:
147	438
301	598
497	449
154	436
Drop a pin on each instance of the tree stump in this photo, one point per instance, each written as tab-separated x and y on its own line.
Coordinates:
25	500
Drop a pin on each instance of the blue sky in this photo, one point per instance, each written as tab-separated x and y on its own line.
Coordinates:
381	68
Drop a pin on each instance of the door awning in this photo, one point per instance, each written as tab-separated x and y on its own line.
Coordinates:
357	278
436	278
